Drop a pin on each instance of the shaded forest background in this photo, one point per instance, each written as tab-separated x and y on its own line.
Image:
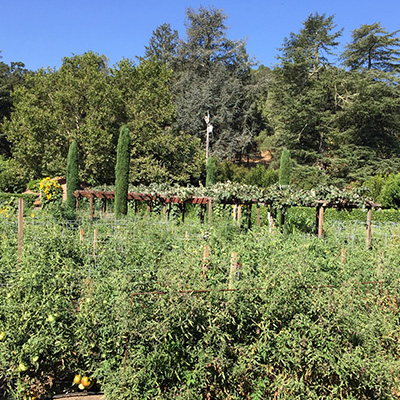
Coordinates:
337	114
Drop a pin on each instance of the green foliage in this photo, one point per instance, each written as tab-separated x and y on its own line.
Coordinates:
261	176
10	176
390	194
372	47
72	175
122	172
285	168
212	74
211	171
375	185
300	322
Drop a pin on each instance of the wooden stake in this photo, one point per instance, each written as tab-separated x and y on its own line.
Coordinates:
81	235
233	269
343	257
369	226
320	221
239	214
164	211
20	226
91	207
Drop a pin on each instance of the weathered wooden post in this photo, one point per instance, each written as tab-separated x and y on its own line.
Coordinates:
239	214
20	226
369	226
91	199
320	221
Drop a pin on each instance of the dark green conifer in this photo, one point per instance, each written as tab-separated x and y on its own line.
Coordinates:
72	175
285	167
211	167
284	179
122	172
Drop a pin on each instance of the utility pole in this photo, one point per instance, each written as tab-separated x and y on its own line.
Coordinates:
209	130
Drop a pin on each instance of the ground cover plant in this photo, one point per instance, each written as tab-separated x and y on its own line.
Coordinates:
140	306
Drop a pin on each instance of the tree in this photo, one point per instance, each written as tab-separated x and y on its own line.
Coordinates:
372	47
306	53
285	167
122	172
212	74
10	76
162	45
77	102
160	151
72	175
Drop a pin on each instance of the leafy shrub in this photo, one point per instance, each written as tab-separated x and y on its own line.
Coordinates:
390	193
300	323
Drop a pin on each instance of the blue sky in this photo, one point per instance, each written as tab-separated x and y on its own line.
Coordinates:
41	32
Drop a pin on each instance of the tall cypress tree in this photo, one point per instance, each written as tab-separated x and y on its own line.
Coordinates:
210	177
284	179
122	172
72	174
285	167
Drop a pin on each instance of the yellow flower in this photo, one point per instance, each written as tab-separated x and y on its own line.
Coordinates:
33	215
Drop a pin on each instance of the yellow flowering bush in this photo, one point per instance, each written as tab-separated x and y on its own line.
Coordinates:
5	211
50	189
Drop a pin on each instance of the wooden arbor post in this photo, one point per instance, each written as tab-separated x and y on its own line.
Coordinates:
91	206
319	223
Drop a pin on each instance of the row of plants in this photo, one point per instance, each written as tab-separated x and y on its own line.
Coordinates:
301	323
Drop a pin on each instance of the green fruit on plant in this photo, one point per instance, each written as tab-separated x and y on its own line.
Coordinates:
22	367
81	387
51	318
2	335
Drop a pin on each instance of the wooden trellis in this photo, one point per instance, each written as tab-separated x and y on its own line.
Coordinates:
320	206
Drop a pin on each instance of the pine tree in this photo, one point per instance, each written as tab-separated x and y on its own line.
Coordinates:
122	172
72	174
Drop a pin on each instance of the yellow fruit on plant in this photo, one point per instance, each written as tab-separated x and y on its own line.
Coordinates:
86	381
77	379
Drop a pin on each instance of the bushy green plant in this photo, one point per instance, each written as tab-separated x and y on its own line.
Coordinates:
390	193
146	314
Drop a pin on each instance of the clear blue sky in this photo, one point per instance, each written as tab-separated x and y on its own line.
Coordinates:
41	32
